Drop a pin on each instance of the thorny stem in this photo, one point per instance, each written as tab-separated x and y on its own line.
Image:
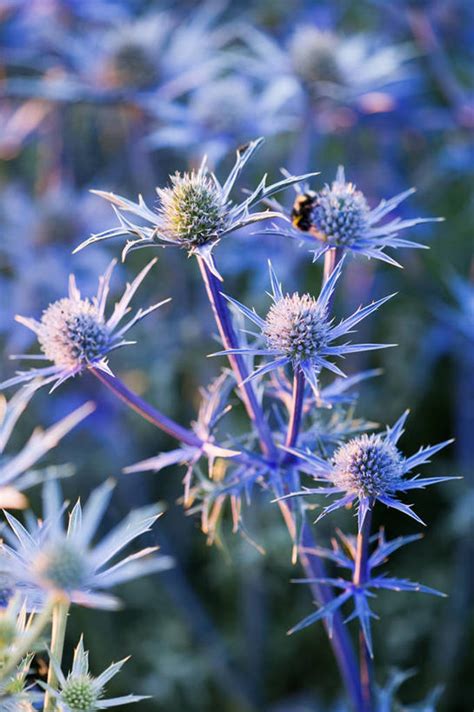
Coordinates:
312	565
58	634
361	573
29	639
229	340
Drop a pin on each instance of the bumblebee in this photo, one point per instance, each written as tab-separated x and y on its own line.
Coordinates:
301	214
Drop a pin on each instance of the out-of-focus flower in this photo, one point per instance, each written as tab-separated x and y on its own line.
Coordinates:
298	330
195	212
15	695
75	335
47	557
367	469
80	691
461	316
324	64
345	558
220	114
16	473
339	216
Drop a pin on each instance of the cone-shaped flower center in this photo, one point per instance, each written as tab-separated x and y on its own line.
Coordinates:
297	326
340	214
368	465
314	56
72	333
79	694
133	67
192	210
63	567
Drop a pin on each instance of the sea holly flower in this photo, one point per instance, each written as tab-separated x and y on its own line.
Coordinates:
339	216
324	64
359	593
299	331
195	212
75	334
16	470
47	557
15	695
79	691
367	469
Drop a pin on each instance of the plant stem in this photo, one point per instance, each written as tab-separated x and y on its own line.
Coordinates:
29	639
361	573
58	634
146	410
312	565
230	341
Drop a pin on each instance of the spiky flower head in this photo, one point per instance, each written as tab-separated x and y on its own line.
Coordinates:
297	326
299	331
51	558
340	215
196	211
192	209
15	695
367	469
72	333
75	334
80	691
368	465
313	55
16	469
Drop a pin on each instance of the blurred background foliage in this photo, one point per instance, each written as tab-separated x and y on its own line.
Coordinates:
117	95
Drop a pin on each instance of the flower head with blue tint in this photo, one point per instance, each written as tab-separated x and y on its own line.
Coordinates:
15	695
48	557
80	691
16	470
75	334
221	114
299	331
370	468
359	593
195	212
340	217
324	64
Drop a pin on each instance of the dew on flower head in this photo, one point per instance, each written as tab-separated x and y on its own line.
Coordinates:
192	210
72	333
63	567
79	693
297	326
314	56
368	465
340	214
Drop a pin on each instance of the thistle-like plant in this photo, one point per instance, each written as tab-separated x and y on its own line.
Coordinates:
299	330
75	334
367	469
48	558
195	212
79	691
340	217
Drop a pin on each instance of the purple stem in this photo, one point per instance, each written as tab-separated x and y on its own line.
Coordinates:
230	341
313	566
361	574
146	410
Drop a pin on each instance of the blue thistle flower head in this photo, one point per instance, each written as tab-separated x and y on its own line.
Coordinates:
367	469
48	558
195	211
299	331
79	691
74	333
340	217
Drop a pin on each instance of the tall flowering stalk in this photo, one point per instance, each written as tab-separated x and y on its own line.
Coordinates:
300	336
